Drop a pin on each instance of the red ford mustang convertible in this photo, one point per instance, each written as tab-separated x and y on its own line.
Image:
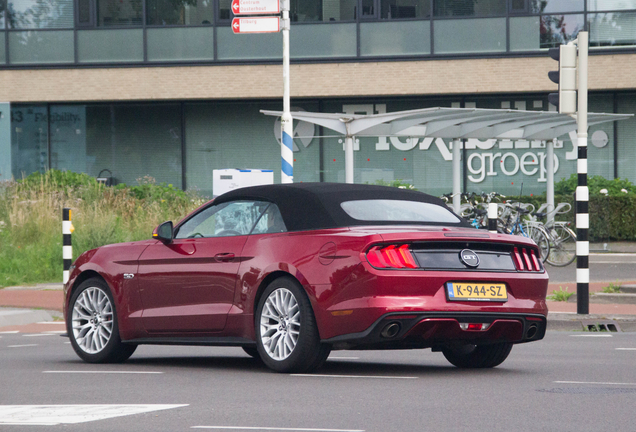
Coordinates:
291	272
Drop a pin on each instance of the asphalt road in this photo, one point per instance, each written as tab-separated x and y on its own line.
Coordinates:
603	268
569	381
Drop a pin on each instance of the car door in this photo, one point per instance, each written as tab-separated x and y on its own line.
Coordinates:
188	285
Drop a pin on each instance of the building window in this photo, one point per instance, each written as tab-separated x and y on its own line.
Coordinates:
455	8
114	13
179	12
396	9
40	14
607	5
559	29
109	13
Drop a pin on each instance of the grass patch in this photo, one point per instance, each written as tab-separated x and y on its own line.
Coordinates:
612	288
560	294
31	219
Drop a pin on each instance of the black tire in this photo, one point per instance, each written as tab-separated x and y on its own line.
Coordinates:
308	353
476	357
112	351
251	351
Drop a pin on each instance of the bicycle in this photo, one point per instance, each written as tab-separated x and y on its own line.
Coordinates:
562	238
511	222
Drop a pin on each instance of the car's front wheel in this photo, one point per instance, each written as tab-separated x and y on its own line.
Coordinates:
287	336
477	356
92	324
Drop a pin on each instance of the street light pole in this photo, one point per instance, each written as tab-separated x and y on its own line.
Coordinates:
286	121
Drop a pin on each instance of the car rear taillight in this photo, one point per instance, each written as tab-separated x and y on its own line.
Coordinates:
392	256
526	259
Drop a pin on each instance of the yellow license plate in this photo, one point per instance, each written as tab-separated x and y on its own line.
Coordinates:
480	291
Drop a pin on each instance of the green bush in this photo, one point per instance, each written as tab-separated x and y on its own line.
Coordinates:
31	211
614	187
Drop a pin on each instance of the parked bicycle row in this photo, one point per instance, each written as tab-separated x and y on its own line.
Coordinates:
556	240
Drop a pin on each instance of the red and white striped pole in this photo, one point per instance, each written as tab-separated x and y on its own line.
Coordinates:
67	245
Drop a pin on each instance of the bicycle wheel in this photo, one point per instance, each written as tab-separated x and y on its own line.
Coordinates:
541	238
562	246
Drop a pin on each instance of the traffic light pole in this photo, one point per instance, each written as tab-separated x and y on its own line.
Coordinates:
582	191
286	121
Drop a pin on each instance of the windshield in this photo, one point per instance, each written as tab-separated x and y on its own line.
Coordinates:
398	211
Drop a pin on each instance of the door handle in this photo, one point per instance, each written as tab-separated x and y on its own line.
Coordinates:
226	256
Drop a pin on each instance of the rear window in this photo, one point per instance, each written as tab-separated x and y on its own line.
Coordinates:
398	211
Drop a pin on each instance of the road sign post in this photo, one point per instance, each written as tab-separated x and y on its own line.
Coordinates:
286	121
272	24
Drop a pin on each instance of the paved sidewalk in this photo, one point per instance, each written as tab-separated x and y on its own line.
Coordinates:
49	298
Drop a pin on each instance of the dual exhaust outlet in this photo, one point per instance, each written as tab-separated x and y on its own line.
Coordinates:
392	329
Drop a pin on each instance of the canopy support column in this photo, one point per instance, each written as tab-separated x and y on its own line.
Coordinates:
349	159
457	175
550	178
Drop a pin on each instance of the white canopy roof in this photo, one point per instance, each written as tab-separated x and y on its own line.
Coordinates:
454	123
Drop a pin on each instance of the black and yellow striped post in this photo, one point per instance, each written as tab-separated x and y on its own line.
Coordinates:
67	245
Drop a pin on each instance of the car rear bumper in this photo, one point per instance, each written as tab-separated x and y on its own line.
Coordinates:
433	329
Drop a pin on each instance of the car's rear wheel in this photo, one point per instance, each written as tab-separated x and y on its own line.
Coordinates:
477	356
92	324
287	336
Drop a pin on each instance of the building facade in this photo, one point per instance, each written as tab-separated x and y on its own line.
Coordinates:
164	88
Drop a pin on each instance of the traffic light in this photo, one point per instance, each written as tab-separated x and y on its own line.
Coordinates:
565	77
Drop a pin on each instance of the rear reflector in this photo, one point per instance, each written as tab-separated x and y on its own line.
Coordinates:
474	326
392	256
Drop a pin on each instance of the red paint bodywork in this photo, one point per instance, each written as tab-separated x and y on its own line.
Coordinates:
209	287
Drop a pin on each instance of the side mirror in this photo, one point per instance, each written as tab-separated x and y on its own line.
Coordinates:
164	232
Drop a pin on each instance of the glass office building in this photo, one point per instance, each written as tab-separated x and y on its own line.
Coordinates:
181	139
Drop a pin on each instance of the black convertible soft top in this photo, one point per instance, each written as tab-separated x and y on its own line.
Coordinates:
310	206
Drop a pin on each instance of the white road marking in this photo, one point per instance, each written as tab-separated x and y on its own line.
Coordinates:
9	332
612	254
67	342
593	382
52	322
276	429
20	346
101	372
38	334
351	376
55	331
613	262
344	358
625	349
70	414
592	335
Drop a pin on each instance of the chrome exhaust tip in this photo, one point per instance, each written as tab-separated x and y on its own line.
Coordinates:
390	330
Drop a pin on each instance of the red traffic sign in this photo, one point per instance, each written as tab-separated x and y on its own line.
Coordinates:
256	25
255	7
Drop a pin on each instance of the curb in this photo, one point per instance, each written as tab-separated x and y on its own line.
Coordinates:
574	322
13	317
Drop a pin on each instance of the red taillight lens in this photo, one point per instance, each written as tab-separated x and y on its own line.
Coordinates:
526	259
391	256
517	258
407	258
375	258
535	260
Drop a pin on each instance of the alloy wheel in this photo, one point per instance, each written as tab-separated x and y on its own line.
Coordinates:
280	324
92	320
